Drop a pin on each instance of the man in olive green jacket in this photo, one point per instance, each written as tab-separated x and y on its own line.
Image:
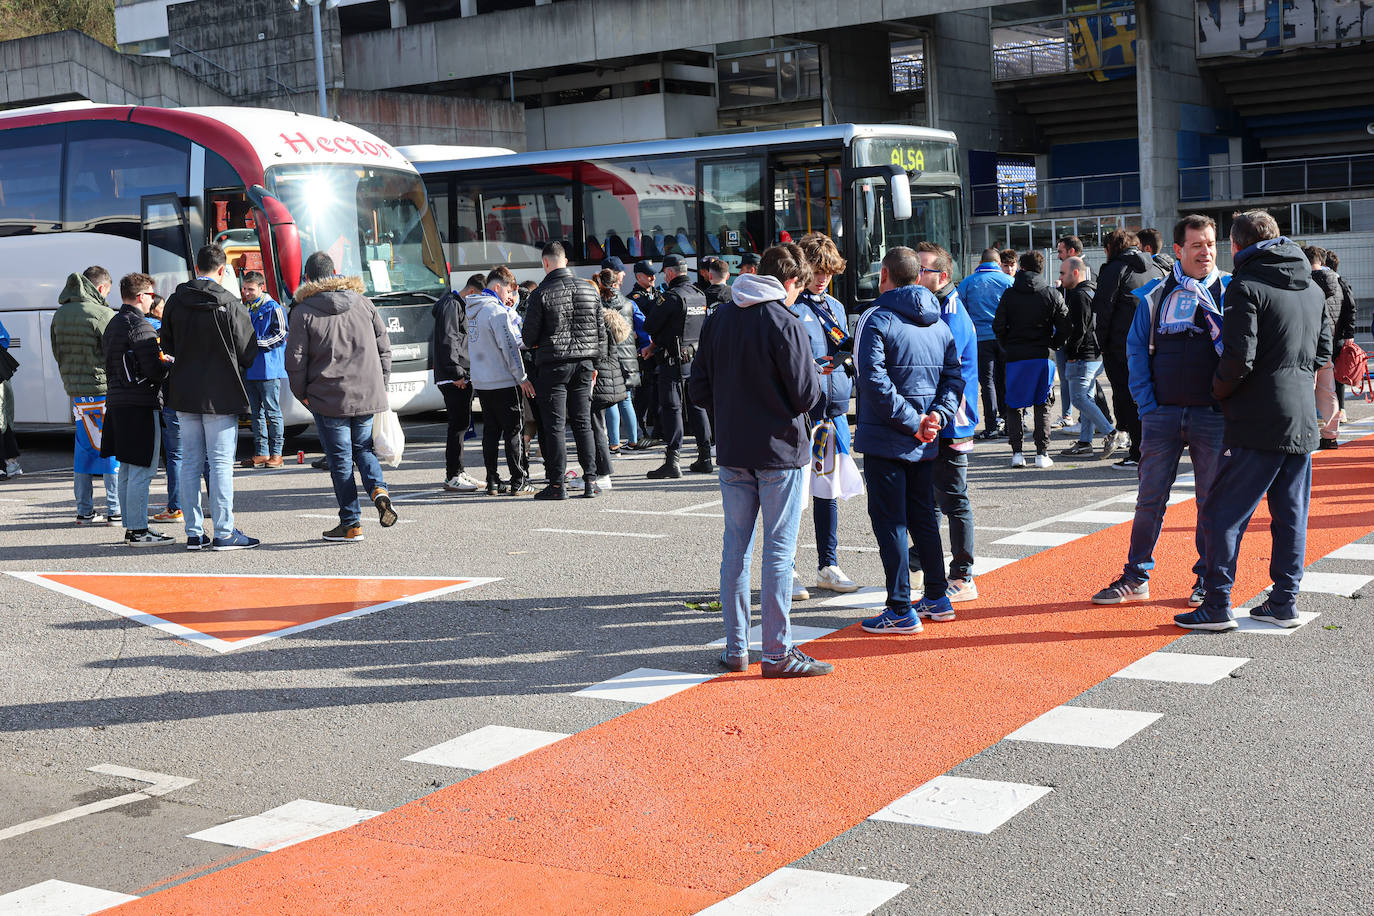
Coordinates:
78	328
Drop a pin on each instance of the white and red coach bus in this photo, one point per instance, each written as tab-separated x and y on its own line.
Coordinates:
135	188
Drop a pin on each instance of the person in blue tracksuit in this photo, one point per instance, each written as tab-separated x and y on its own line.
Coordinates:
910	386
824	320
980	292
956	438
263	378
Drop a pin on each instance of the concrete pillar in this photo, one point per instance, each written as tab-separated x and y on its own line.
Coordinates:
1166	78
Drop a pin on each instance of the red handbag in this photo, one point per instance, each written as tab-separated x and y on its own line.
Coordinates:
1352	367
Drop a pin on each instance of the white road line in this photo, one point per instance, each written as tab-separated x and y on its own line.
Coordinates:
1085	726
689	511
60	898
959	803
798	892
613	534
159	784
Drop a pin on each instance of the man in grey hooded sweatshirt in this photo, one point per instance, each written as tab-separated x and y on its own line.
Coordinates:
498	376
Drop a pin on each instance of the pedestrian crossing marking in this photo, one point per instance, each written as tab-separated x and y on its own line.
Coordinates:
228	612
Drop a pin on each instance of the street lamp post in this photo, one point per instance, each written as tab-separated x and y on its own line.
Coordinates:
319	47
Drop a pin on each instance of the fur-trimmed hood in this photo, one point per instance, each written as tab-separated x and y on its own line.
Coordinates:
616	324
330	285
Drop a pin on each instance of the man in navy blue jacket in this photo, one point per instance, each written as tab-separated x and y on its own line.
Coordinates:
910	386
754	372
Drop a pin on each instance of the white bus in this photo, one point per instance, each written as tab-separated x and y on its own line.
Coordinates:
136	188
721	196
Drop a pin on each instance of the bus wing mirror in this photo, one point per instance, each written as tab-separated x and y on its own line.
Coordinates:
286	240
899	187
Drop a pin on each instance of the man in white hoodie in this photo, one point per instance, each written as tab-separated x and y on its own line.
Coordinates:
498	377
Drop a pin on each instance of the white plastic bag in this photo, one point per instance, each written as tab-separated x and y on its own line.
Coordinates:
388	439
834	475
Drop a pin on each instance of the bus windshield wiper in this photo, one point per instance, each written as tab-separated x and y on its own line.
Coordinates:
406	292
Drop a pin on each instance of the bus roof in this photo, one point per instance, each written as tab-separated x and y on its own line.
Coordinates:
428	152
251	139
845	133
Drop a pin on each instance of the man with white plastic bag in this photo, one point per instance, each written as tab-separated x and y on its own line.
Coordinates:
388	438
338	358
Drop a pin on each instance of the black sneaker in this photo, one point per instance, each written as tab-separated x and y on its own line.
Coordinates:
1197	595
1127	464
702	466
197	542
523	488
1123	589
385	514
1077	449
1200	620
1324	443
146	538
796	663
114	519
734	662
87	519
552	491
344	532
320	464
495	487
590	488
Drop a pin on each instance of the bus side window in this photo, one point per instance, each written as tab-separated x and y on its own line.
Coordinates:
112	166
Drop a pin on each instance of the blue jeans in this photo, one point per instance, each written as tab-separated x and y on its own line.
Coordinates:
171	447
1165	433
83	486
826	515
208	443
1061	361
950	479
1246	477
901	499
1082	374
133	487
779	493
618	415
347	441
264	399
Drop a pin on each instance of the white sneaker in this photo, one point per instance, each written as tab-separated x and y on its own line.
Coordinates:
961	590
1072	429
1018	460
604	482
13	469
1044	461
799	592
147	539
833	579
461	483
1343	420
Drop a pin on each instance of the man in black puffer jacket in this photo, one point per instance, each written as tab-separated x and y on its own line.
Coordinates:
1031	322
565	329
1083	361
134	370
1274	336
1127	270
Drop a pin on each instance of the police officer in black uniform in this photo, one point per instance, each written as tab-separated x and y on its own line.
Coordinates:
646	297
675	329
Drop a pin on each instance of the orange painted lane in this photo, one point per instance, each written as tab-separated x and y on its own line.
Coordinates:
234	608
703	793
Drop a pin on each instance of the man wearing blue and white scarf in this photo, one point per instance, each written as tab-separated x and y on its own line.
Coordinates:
1172	351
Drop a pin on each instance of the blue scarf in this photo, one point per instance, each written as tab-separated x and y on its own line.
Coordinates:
1190	299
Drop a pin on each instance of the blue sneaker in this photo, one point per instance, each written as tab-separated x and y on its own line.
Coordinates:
889	621
1199	620
236	541
937	609
1266	613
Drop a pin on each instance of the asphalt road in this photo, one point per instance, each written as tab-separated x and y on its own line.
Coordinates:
1251	795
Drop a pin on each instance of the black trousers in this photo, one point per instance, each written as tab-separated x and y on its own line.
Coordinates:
1016	435
458	404
503	420
564	394
992	381
671	406
603	442
646	397
1127	418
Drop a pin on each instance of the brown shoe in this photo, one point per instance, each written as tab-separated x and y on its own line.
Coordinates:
342	532
257	461
274	462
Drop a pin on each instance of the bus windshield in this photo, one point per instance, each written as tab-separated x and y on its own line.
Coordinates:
935	217
374	222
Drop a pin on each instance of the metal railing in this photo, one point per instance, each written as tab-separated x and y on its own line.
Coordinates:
1280	177
1084	192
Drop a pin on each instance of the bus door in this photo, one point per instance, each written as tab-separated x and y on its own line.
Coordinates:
807	196
731	215
165	242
